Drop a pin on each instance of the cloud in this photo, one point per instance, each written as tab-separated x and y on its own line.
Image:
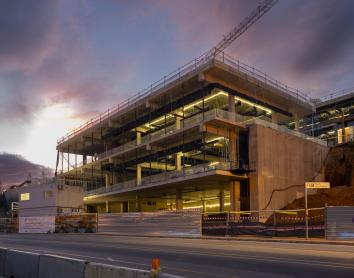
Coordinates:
27	32
330	40
90	56
15	169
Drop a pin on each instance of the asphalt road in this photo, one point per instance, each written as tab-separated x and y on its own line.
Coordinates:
202	258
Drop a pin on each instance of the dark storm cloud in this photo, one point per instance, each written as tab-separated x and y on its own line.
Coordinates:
15	169
26	32
330	35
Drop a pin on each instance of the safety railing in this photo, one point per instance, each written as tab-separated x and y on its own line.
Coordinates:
261	76
196	120
183	72
164	177
337	94
187	123
284	129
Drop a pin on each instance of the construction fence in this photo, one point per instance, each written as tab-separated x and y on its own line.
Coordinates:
333	223
160	223
265	223
68	223
9	225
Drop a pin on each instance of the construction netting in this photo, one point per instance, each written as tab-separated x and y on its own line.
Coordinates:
265	223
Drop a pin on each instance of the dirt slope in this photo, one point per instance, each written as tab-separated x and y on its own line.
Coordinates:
339	171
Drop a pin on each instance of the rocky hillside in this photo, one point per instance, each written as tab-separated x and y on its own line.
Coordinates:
339	171
339	168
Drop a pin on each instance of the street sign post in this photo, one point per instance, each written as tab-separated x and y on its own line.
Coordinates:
312	185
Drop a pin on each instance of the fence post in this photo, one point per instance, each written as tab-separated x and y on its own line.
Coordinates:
227	223
96	222
275	223
325	221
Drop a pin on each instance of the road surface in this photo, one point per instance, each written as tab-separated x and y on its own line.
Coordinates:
200	258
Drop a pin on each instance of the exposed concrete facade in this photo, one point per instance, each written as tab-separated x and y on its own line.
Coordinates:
280	161
193	143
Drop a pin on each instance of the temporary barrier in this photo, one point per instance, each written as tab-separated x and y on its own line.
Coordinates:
8	225
340	223
19	264
59	267
176	223
37	224
73	223
265	223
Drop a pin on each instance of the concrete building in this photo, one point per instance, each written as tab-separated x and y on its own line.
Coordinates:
334	118
212	135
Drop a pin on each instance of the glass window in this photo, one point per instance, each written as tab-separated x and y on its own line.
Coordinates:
25	196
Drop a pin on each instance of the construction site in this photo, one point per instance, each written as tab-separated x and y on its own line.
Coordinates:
214	136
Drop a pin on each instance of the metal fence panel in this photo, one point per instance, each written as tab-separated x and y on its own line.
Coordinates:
340	223
264	223
177	223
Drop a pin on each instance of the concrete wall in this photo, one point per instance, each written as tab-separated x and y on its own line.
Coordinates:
281	160
70	196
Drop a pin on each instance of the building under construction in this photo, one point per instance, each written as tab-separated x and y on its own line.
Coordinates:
213	135
216	135
334	118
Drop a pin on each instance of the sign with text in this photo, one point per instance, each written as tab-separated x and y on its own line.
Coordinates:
315	185
37	224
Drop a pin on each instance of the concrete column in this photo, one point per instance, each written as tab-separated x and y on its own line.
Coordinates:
138	174
222	200
235	204
107	206
336	134
232	134
121	207
344	139
107	180
138	137
233	147
178	122
296	121
231	106
137	203
275	119
178	161
84	159
204	205
179	200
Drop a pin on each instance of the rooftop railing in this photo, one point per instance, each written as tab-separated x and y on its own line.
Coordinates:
337	94
286	130
186	70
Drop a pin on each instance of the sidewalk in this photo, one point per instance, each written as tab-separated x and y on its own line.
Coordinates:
246	238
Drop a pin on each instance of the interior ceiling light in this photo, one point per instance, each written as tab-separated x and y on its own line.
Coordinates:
220	93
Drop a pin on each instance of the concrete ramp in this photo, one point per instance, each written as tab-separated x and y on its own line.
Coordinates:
176	223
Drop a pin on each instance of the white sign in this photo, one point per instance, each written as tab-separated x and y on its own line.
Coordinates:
37	224
310	185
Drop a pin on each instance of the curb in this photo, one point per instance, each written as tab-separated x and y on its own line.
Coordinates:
304	241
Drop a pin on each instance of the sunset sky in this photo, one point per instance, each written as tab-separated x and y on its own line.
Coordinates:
62	62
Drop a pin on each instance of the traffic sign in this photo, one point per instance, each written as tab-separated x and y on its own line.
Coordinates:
310	185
